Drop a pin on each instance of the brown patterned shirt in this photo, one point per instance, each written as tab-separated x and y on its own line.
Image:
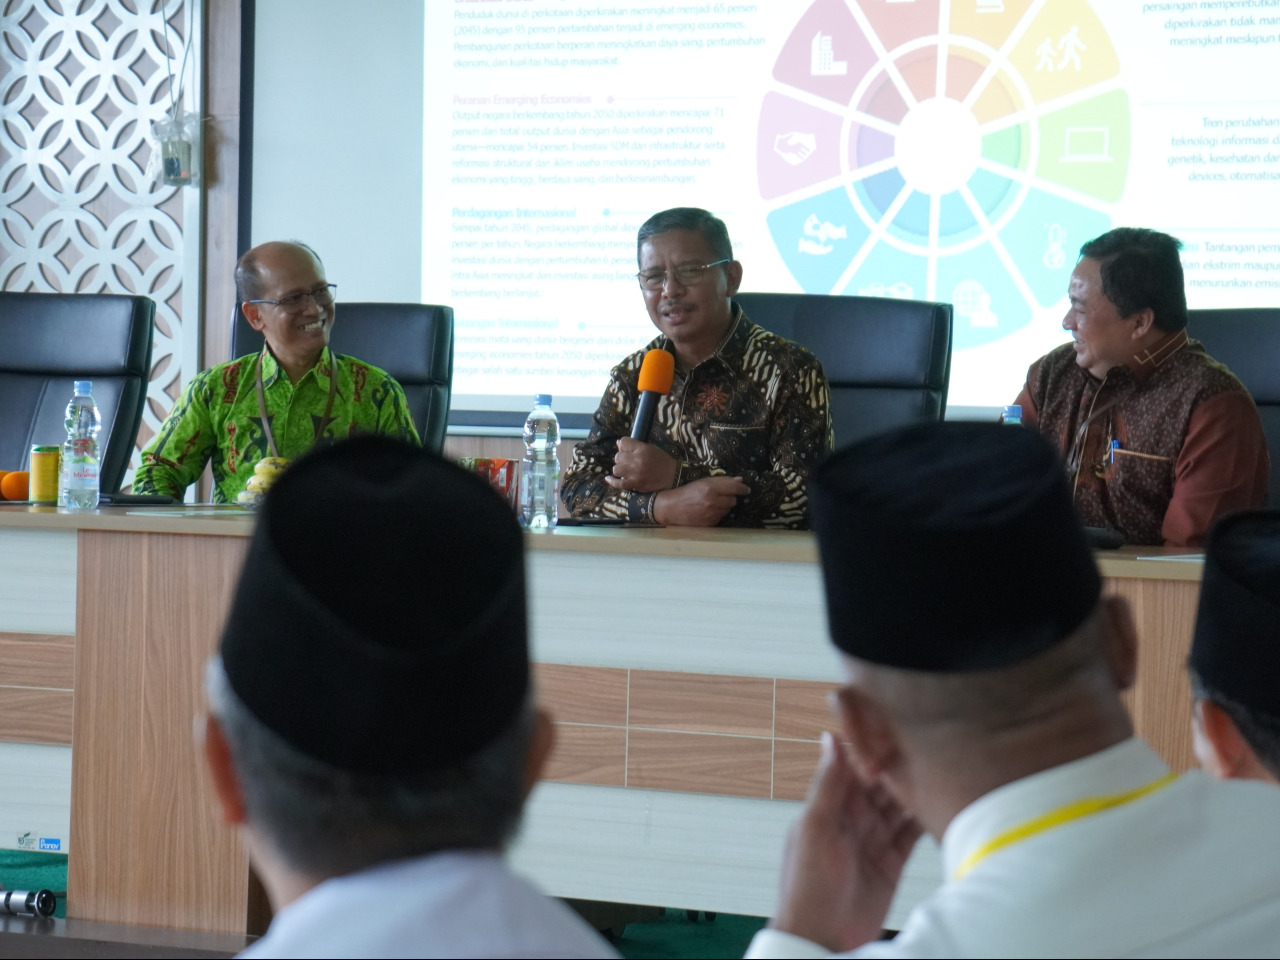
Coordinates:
758	408
1191	446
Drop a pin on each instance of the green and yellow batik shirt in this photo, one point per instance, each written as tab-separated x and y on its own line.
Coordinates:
217	420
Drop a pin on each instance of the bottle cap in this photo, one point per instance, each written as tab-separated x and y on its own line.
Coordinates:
84	388
542	400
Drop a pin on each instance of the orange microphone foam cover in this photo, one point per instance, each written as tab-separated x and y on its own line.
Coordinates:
657	371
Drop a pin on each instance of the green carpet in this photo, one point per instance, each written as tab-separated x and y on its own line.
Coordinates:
26	870
674	935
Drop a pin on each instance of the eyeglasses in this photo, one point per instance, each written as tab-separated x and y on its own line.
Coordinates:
323	297
686	276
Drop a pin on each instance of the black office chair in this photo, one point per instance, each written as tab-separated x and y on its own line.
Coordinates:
888	361
50	340
1248	341
411	341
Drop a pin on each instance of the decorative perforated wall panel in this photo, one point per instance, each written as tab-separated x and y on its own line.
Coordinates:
81	81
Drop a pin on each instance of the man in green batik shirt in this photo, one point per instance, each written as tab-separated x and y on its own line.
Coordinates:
281	402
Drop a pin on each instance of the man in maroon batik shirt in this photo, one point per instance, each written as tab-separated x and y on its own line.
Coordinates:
1159	438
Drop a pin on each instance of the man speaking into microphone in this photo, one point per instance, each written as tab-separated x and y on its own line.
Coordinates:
746	416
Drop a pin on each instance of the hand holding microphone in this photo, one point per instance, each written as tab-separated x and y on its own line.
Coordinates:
656	373
639	465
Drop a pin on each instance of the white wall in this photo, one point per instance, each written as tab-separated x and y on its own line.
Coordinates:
338	91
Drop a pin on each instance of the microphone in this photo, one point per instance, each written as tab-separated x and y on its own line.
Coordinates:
656	373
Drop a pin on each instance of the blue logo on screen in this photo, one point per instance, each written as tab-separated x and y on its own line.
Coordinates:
47	843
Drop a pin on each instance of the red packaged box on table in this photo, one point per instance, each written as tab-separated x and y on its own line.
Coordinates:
502	475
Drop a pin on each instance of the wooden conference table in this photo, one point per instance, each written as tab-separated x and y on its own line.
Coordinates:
688	671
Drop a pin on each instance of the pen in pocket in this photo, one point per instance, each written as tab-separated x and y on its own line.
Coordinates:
1117	449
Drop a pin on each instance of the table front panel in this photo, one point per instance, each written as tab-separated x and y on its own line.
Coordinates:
38	581
150	845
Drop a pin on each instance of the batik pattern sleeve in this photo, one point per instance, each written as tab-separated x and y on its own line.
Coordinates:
1027	397
1222	468
770	426
394	418
175	457
583	489
801	436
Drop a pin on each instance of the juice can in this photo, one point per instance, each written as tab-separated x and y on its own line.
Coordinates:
44	474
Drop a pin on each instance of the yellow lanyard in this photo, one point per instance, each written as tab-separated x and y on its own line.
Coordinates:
1076	810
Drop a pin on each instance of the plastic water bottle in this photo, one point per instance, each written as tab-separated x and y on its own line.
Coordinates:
540	469
1012	415
78	489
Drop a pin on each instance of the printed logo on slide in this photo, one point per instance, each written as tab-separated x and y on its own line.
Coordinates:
956	151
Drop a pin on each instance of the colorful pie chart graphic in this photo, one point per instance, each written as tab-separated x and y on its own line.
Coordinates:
956	151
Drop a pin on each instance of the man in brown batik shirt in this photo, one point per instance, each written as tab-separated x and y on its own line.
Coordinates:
748	414
1159	438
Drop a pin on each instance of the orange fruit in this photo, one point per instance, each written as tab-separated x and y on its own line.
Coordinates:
15	485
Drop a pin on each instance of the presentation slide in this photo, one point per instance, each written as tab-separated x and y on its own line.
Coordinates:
958	152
